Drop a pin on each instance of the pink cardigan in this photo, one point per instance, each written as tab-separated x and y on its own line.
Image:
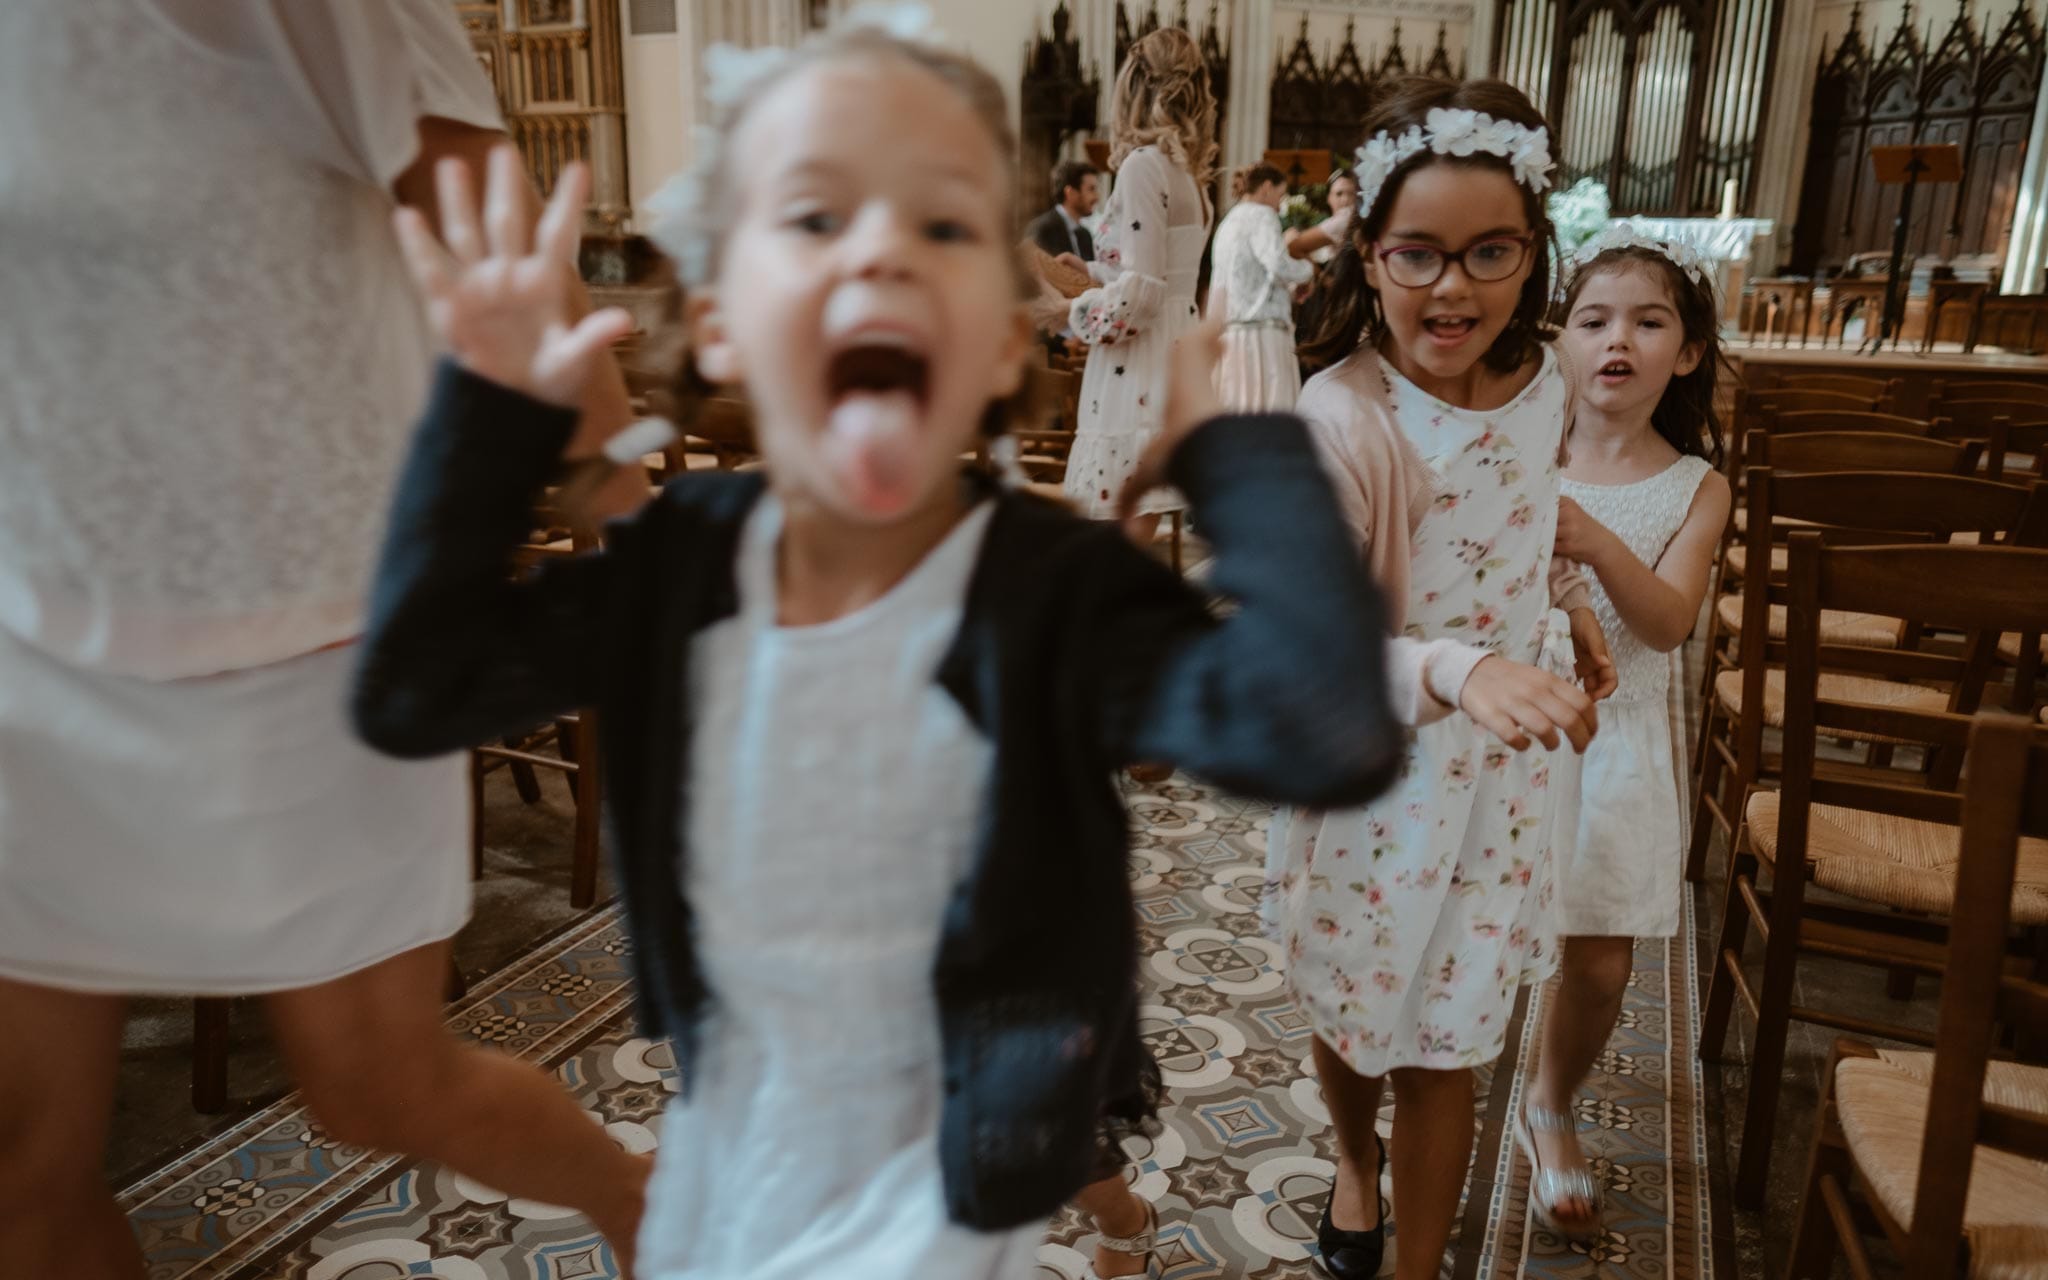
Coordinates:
1385	488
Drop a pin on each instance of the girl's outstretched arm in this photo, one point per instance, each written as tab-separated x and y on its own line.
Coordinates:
1284	695
1659	606
454	650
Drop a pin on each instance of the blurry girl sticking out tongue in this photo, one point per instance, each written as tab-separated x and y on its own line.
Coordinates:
862	712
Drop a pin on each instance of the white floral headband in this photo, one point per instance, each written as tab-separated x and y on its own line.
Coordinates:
1454	132
1626	235
677	218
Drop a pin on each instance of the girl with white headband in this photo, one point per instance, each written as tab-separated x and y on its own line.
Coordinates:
1441	411
1643	509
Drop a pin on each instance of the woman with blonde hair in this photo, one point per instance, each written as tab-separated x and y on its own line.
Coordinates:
1163	150
1253	289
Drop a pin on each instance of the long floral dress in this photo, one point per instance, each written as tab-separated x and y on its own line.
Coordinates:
1409	924
1147	261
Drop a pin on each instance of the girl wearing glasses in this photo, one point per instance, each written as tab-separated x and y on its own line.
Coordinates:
1440	411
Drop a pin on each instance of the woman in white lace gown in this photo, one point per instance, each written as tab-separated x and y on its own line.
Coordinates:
208	366
1253	287
1147	260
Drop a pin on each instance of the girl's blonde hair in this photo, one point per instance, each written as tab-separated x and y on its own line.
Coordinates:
696	212
1163	100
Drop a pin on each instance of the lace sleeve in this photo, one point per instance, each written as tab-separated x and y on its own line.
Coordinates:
1132	257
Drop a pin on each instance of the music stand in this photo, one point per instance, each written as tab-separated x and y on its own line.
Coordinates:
1941	162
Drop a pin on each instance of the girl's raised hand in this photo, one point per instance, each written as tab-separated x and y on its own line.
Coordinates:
1579	536
1191	400
1515	703
501	292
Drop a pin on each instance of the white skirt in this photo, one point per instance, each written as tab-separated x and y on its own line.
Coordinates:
1622	880
217	836
1258	373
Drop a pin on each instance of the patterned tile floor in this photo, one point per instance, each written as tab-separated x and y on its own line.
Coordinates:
1240	1171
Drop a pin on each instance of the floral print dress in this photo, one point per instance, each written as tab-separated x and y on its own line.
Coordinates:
1147	261
1409	924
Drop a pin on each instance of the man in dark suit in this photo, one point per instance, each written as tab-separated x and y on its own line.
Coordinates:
1077	186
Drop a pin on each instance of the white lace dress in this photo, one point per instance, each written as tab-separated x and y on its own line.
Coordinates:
835	794
210	360
1623	880
1147	259
1257	277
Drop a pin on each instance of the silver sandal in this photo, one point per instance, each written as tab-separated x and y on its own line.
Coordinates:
1547	1187
1137	1246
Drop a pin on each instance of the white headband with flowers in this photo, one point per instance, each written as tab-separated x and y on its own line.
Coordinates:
1698	267
1454	132
677	210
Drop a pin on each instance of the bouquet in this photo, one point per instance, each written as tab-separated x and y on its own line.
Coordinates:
1579	212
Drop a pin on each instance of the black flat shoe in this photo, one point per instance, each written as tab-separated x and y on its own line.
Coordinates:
1353	1255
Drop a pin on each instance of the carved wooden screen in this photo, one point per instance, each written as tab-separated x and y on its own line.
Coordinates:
1978	94
1318	106
1058	98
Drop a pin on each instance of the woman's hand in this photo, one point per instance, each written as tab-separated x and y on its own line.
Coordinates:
1515	702
502	294
1191	400
1591	658
1579	536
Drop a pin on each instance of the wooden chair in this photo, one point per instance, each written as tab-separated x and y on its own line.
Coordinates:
1772	297
1854	508
1891	851
572	739
1786	422
1799	399
1879	392
2031	390
1822	451
1949	1151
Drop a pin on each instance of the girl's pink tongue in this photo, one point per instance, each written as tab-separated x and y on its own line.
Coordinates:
870	443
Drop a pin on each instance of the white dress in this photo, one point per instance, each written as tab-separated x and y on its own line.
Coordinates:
1623	880
1257	275
1409	924
210	361
835	793
1148	260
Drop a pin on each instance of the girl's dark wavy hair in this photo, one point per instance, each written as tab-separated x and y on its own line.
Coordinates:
1350	307
1685	414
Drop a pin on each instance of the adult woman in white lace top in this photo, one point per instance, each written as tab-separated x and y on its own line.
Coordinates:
1147	260
209	362
1252	286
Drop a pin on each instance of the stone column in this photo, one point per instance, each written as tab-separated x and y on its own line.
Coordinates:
2028	253
1250	117
1781	152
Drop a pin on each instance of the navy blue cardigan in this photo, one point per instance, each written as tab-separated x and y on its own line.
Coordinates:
1077	654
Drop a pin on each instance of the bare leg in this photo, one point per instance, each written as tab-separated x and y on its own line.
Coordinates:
1576	1026
1354	1102
1432	1153
379	1070
58	1061
1117	1211
1142	530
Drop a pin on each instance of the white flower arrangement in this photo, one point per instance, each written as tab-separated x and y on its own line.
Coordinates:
1626	235
1455	132
678	218
1579	212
